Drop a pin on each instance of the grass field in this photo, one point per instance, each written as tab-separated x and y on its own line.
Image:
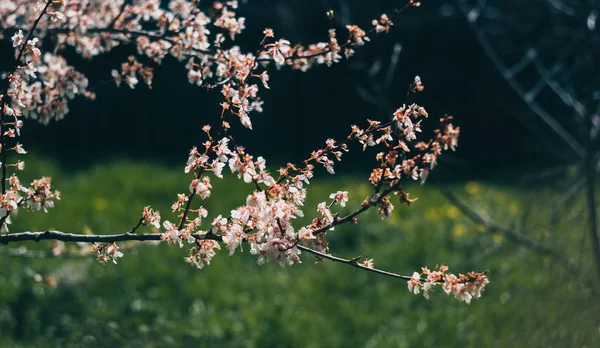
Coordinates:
152	298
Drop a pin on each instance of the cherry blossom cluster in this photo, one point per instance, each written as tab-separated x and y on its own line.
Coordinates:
40	195
24	94
201	254
202	39
150	217
266	221
107	252
130	71
463	287
41	85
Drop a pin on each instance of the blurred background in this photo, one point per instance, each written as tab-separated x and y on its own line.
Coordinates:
517	198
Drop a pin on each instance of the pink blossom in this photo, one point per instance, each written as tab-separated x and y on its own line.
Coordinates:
414	284
172	234
340	197
19	149
17	39
278	50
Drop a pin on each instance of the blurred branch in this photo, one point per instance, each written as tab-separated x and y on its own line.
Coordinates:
377	93
58	252
569	74
590	178
567	198
562	7
25	253
530	55
395	57
513	236
28	254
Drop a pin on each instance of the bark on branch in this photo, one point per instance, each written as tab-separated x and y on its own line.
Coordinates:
85	238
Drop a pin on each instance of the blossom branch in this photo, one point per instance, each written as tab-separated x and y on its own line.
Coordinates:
463	287
374	200
265	221
4	96
377	30
188	205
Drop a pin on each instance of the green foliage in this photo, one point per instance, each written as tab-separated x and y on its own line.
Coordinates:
152	298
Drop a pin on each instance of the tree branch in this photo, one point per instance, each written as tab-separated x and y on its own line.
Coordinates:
592	207
85	238
352	262
127	236
513	236
3	148
164	35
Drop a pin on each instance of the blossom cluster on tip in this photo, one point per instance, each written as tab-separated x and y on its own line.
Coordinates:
150	217
464	287
404	155
383	24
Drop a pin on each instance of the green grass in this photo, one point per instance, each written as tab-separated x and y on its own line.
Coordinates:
152	298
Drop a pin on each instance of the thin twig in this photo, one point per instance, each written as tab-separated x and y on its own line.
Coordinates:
396	13
353	263
376	198
121	11
190	197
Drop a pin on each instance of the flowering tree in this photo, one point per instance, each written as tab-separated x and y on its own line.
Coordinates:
42	82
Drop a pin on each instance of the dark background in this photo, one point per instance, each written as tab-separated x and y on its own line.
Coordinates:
301	110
